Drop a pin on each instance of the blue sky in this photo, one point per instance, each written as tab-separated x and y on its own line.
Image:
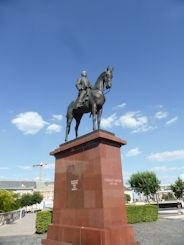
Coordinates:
44	46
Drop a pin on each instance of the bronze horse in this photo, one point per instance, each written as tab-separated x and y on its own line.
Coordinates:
94	104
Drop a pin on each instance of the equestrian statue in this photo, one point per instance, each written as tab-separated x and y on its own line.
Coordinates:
90	99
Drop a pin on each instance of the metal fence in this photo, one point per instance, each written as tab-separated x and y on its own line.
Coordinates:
7	218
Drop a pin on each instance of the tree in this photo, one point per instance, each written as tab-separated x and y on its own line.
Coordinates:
30	199
145	183
9	201
26	200
127	197
37	197
178	188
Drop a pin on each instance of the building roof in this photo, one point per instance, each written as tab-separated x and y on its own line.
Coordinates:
25	185
17	185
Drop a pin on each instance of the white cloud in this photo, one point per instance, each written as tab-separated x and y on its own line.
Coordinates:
57	117
29	122
173	120
132	120
4	168
161	114
121	106
109	121
2	177
133	152
25	167
53	128
167	156
144	128
164	168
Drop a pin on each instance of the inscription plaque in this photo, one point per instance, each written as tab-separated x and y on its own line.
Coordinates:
113	181
74	182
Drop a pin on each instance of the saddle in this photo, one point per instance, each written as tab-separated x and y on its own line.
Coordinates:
84	102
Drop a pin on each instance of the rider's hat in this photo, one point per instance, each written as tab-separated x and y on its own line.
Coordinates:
84	73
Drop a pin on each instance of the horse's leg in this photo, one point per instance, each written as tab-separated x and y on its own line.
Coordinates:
69	120
78	119
94	115
99	114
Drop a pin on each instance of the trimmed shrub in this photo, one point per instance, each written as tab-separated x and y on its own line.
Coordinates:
127	197
141	213
43	219
135	214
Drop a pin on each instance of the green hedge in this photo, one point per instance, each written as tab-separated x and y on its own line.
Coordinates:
43	219
141	213
135	214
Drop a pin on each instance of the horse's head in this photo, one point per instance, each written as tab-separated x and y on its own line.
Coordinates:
108	77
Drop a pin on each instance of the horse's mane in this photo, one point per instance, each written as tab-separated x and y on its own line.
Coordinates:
100	78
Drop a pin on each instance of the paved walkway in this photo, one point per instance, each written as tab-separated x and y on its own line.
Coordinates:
24	226
21	232
165	231
171	213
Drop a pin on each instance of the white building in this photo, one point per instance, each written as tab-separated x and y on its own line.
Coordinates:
24	187
129	192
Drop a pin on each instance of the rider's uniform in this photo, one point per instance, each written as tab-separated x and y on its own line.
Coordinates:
83	85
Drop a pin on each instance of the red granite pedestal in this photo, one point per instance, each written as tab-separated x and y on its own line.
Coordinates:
89	206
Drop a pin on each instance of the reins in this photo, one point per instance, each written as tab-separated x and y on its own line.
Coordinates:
108	90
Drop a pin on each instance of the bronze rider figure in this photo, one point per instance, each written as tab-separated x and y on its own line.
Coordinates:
83	85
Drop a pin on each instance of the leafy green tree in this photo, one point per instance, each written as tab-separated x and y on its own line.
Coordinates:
127	197
37	197
30	199
178	188
145	183
26	200
16	204
9	201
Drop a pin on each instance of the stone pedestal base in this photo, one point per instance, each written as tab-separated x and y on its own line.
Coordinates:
89	206
75	235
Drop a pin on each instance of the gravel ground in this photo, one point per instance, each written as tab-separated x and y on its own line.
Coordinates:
162	232
22	240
